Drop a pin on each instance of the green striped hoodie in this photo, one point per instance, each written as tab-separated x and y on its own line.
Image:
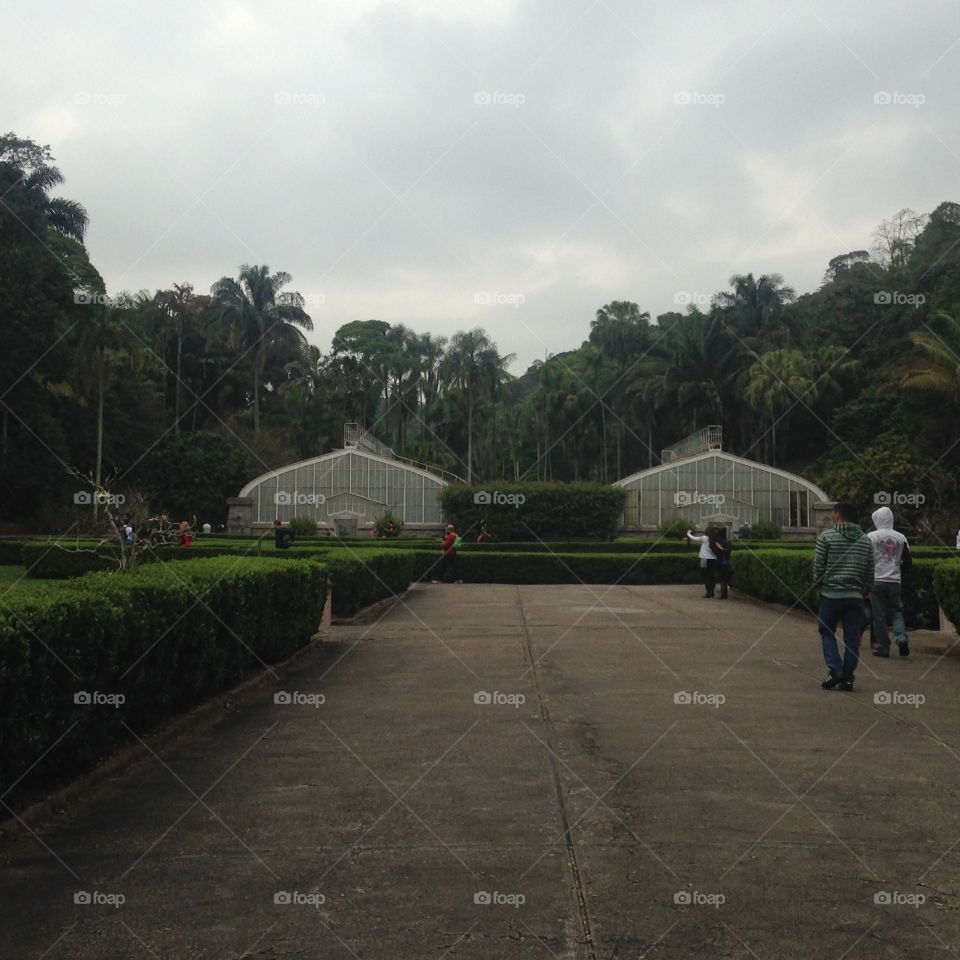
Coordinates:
843	564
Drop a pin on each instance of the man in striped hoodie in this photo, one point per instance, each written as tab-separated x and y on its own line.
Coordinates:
843	572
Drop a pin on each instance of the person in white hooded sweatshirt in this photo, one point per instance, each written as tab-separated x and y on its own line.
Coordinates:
891	553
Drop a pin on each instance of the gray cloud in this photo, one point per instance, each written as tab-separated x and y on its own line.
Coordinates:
411	161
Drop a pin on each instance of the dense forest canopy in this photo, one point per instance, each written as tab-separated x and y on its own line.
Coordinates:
182	394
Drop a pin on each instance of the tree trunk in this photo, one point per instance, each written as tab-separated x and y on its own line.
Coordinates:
176	386
101	377
469	438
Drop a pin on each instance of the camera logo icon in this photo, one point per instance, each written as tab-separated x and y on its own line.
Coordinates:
82	898
882	698
482	897
483	497
682	898
283	697
682	697
83	698
482	697
482	98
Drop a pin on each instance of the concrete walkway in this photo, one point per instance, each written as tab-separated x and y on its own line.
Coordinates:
528	772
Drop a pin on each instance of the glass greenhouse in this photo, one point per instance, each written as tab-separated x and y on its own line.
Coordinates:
711	486
343	491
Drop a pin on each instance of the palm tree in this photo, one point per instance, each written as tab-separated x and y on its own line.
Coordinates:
778	381
473	365
105	342
939	369
37	178
176	314
621	330
252	306
756	305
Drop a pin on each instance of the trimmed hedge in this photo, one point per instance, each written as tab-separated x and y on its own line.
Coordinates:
359	581
946	579
545	510
162	636
10	552
786	576
487	566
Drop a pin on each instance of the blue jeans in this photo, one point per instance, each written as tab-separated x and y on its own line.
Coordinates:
886	597
849	611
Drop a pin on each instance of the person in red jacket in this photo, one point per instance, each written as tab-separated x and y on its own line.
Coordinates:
448	561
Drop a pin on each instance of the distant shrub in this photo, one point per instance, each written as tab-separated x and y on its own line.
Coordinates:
765	530
388	526
673	528
303	527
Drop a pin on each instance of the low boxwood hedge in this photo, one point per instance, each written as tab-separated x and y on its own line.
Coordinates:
488	566
786	576
163	636
946	580
359	579
10	551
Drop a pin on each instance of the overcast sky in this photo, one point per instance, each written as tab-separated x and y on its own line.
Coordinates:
512	164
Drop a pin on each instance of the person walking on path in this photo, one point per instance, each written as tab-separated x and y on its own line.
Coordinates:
843	573
721	548
708	559
448	560
891	556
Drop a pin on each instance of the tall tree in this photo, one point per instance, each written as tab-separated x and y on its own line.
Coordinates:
253	307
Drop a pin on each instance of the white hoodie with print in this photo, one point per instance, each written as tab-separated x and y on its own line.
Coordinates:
889	547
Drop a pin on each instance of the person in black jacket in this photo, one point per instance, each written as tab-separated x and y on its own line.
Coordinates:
282	536
721	547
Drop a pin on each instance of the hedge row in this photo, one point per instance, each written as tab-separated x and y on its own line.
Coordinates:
946	580
359	581
525	511
163	637
785	576
489	566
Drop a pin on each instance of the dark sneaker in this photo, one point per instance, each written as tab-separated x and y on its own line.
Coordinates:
832	681
881	653
846	685
904	649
